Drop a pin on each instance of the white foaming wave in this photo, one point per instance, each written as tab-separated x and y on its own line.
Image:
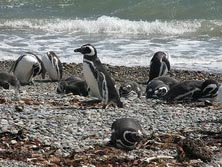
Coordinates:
106	25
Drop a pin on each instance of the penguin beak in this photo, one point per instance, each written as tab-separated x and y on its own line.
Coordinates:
78	50
138	137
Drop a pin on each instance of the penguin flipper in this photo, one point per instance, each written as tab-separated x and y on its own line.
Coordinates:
102	84
42	69
167	62
14	65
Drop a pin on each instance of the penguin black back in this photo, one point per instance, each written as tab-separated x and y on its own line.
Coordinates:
185	90
126	133
74	85
7	80
26	67
159	65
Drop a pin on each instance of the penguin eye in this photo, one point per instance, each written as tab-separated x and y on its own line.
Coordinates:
5	85
87	50
128	87
150	90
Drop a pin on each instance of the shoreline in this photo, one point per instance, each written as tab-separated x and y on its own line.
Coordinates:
64	130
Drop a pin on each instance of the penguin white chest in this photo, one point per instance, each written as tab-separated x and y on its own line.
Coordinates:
51	68
23	70
91	80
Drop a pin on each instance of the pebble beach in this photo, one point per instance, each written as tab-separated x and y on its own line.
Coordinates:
69	128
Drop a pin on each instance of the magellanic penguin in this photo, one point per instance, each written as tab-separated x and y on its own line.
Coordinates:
53	66
99	81
159	86
9	81
184	91
192	90
159	65
126	133
130	88
26	67
74	85
209	89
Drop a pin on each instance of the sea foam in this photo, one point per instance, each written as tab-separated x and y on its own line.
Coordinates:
106	25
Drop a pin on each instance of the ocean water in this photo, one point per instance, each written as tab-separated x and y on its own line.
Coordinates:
126	32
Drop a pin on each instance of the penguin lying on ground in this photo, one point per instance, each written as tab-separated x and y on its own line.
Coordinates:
130	88
99	81
53	66
159	65
8	81
158	87
26	67
192	90
74	85
126	133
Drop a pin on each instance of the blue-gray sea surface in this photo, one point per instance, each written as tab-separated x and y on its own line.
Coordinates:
125	32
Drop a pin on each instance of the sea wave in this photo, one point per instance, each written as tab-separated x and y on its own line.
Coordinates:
125	9
114	25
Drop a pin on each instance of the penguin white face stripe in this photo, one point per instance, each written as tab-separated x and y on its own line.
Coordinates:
186	94
161	91
92	53
120	144
128	132
211	86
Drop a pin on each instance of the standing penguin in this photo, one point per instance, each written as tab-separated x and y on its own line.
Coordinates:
26	67
99	81
53	66
8	81
126	133
159	65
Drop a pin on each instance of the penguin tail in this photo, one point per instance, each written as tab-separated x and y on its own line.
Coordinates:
119	104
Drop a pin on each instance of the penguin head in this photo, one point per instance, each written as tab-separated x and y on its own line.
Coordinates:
4	85
130	88
128	139
7	80
158	56
126	133
87	50
156	89
209	88
132	136
125	89
159	65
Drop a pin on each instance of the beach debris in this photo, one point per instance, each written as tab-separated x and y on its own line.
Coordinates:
158	157
194	149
